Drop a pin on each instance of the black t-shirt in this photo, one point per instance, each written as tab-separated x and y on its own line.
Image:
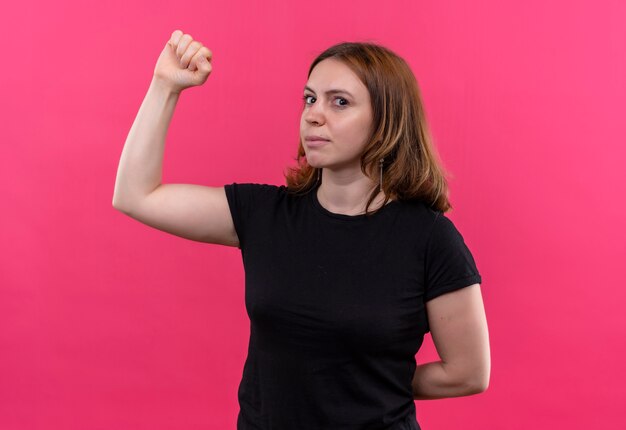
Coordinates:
336	307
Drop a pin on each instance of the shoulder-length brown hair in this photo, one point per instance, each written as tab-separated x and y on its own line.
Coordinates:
411	168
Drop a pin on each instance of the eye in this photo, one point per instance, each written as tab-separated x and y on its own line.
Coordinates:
342	101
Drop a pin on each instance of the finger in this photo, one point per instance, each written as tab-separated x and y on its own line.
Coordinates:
207	53
175	38
192	49
201	62
183	43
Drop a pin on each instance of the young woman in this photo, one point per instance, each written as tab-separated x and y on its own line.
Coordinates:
348	265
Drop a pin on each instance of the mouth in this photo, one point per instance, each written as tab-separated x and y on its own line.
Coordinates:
315	139
316	143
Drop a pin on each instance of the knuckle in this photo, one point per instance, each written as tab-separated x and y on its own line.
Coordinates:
176	36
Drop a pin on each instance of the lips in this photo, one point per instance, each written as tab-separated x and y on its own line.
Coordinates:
315	138
316	143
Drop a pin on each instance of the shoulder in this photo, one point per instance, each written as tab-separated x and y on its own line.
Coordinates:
254	190
437	230
254	187
421	212
258	196
435	221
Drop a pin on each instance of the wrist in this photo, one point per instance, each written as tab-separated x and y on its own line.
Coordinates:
158	84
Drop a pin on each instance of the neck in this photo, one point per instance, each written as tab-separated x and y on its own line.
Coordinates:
347	194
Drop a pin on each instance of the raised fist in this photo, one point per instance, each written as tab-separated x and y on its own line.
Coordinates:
183	63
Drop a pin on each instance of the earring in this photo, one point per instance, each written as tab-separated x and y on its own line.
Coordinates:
319	175
381	173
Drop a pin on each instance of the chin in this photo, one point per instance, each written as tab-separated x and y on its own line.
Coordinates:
312	161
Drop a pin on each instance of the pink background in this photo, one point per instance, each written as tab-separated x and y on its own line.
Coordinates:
106	323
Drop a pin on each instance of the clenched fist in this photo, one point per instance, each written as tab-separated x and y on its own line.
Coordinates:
183	63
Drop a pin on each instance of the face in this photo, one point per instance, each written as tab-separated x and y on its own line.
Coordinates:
336	107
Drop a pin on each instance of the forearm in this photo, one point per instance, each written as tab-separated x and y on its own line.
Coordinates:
435	381
141	163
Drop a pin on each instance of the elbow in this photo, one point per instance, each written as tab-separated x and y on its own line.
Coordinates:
470	387
121	204
116	201
478	383
473	380
118	206
478	387
477	376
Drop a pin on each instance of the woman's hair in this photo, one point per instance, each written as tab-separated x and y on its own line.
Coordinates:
411	169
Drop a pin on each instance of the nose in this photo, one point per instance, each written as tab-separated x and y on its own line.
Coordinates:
314	114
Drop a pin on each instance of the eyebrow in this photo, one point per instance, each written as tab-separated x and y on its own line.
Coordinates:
332	91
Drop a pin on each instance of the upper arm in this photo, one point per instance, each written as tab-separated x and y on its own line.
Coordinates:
194	212
458	327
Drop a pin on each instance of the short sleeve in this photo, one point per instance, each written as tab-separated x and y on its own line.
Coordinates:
449	262
244	200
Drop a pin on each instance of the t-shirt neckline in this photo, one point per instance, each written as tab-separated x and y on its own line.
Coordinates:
313	199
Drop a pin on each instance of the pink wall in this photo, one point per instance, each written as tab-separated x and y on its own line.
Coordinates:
106	323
